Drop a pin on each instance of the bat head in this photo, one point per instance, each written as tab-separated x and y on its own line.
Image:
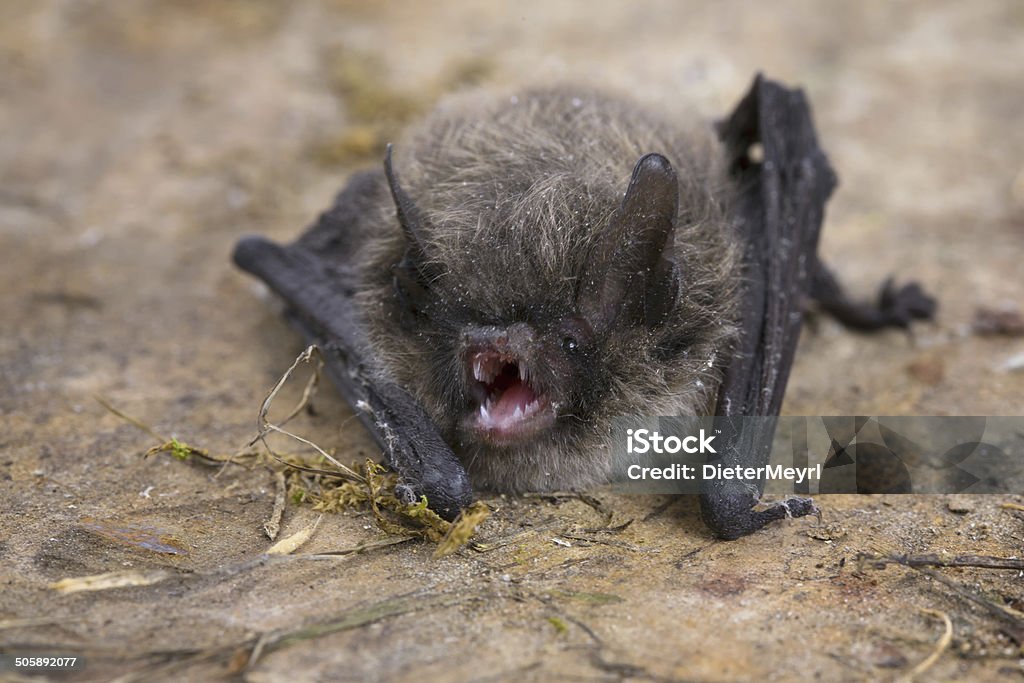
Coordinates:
520	370
532	289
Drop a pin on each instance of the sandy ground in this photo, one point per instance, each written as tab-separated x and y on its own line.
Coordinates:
139	140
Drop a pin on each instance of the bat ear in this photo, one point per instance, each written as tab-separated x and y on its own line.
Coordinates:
408	214
630	274
413	272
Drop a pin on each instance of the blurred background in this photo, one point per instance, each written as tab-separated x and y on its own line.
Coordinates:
139	140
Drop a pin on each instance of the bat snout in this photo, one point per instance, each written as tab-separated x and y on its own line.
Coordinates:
508	404
517	339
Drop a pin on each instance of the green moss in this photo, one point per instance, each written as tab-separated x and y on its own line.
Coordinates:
560	626
393	517
180	450
590	598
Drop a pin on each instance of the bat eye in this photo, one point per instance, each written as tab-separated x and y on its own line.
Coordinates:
569	344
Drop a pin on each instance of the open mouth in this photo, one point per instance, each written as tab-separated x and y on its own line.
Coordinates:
510	405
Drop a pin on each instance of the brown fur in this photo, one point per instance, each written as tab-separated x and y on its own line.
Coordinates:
515	192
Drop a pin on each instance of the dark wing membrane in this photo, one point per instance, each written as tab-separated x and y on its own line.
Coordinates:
781	206
316	280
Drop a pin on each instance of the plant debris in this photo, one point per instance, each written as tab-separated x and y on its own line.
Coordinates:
136	535
288	545
589	598
940	647
990	322
556	497
560	626
273	524
108	580
935	560
179	450
827	532
327	485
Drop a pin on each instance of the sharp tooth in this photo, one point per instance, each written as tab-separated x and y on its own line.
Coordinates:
518	414
532	407
522	372
477	370
484	415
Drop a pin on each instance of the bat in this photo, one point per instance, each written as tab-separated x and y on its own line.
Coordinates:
526	268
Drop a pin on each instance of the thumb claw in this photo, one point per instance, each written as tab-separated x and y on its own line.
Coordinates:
905	304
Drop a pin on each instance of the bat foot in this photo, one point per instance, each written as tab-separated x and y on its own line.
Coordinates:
895	306
731	515
901	306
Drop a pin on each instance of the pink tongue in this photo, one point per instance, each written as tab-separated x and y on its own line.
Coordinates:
518	395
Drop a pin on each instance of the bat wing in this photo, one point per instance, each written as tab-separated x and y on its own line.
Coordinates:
315	277
784	180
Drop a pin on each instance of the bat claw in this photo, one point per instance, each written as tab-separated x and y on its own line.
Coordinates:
800	507
903	305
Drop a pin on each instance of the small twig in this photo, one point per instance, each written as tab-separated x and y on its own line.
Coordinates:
305	357
289	544
609	529
1008	614
343	469
31	622
308	392
177	448
354	618
133	420
307	468
602	541
940	647
311	354
584	498
586	629
273	524
361	548
932	560
660	508
1013	616
257	650
546	525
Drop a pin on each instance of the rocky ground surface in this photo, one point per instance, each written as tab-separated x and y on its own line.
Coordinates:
139	140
